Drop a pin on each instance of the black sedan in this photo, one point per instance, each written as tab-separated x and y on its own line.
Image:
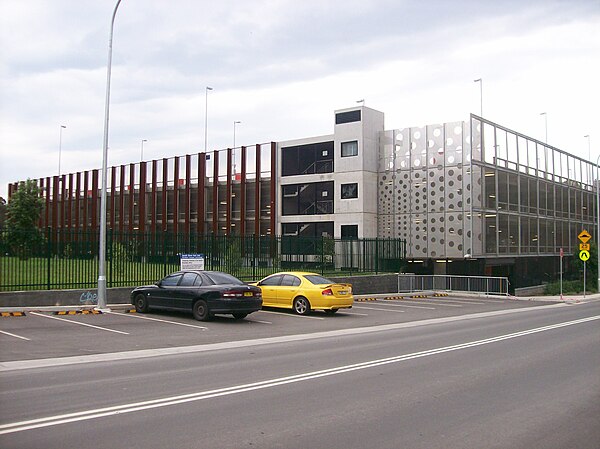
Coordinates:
204	293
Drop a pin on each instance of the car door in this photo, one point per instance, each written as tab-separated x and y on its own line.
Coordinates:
163	296
186	290
288	290
269	287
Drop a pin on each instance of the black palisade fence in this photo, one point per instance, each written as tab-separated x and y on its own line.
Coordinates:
68	259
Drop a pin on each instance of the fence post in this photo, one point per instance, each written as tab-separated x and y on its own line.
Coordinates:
376	255
109	250
164	252
49	257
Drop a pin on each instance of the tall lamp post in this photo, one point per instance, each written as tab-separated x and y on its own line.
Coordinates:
60	146
480	81
206	119
142	153
546	125
235	123
102	249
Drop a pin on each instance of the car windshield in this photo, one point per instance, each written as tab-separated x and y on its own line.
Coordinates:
223	278
317	280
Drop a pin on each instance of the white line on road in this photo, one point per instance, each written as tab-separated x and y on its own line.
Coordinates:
85	415
258	321
292	316
14	335
377	308
77	322
424	301
352	313
132	315
406	305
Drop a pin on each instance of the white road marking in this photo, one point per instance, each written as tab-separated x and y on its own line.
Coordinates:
258	321
424	301
402	304
80	324
377	308
133	315
159	352
352	313
293	315
14	335
85	415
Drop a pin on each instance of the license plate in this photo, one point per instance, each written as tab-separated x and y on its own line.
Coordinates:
248	294
343	292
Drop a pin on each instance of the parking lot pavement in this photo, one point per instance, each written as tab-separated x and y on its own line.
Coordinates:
46	334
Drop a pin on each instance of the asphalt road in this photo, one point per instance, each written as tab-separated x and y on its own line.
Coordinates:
504	375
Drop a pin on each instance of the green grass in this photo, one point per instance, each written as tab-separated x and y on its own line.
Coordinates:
62	273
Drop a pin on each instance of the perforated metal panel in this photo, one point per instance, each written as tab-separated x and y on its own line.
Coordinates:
425	190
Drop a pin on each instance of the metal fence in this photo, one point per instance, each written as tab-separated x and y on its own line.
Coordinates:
473	284
64	259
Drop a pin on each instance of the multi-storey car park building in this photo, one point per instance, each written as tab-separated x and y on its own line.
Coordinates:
469	197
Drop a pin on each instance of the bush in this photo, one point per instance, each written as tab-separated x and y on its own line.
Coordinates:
568	287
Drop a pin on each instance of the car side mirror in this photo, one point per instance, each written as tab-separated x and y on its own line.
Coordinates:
158	283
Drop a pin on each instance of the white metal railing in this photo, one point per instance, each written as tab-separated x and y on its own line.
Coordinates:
488	285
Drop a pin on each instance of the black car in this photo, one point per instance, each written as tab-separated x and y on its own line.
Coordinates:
204	293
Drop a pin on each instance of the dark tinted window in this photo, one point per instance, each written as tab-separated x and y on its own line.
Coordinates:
222	278
189	280
318	280
290	281
347	117
171	280
273	280
307	159
349	231
307	199
349	191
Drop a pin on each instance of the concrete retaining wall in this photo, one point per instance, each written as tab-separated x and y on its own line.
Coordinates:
361	285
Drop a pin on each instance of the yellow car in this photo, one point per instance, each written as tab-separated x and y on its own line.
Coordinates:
303	292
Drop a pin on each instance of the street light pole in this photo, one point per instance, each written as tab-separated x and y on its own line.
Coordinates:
206	119
102	249
142	153
480	81
546	125
234	123
60	146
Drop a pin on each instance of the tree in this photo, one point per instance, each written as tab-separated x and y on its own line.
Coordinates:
23	212
2	212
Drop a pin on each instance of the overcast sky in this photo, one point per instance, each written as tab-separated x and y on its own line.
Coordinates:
282	68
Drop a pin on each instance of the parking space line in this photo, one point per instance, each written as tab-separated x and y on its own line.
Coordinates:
385	310
352	313
80	324
14	335
293	316
132	315
406	305
258	321
424	301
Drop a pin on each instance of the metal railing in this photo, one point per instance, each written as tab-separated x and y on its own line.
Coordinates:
66	259
487	285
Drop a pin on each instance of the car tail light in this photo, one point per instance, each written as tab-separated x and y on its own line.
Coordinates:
327	292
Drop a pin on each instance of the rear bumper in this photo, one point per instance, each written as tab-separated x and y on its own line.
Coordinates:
333	303
234	305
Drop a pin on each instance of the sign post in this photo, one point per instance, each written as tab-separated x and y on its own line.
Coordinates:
561	272
584	252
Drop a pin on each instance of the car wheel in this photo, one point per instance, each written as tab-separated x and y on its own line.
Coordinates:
240	316
201	311
331	311
301	305
141	303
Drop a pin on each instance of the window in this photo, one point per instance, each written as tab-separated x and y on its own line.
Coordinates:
170	281
349	232
290	281
349	191
347	117
307	199
273	280
307	159
350	148
189	280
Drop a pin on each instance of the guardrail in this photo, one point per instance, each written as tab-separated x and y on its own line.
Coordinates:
487	285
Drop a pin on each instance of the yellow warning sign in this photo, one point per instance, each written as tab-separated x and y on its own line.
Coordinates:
584	255
584	247
584	236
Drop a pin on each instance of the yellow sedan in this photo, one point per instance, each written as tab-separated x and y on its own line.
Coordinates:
303	292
